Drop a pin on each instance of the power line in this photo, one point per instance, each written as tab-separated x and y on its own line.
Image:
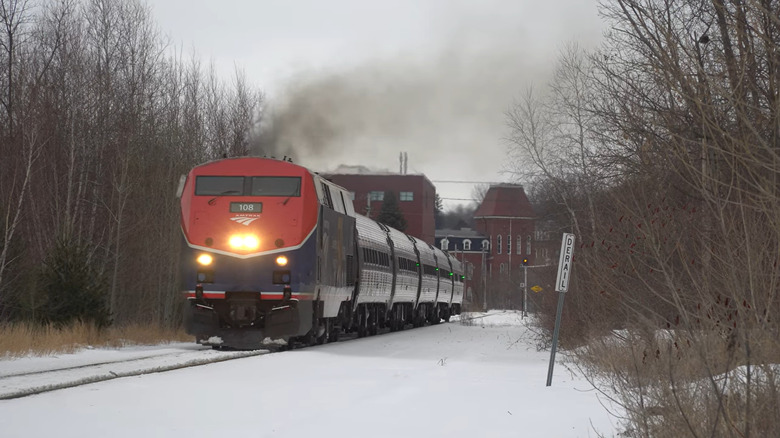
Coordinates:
465	182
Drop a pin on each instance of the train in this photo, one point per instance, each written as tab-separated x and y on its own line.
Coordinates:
275	254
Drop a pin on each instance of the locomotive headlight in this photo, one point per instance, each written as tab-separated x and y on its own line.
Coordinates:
205	259
281	261
251	242
236	242
244	242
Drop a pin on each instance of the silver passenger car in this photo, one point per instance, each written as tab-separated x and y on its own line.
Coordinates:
407	271
457	293
376	273
444	296
430	281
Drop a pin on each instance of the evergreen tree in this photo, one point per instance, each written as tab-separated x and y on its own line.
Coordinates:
391	214
438	210
74	289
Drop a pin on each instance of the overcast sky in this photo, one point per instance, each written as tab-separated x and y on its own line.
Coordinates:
359	81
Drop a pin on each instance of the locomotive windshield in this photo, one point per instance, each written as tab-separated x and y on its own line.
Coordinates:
248	186
276	186
219	185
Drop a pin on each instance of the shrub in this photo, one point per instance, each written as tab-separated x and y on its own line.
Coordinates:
73	288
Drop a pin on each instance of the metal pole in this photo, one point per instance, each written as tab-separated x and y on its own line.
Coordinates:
484	282
561	296
525	291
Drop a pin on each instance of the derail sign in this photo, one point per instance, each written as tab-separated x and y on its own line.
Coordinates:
564	264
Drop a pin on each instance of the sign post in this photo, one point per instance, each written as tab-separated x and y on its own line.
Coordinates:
561	285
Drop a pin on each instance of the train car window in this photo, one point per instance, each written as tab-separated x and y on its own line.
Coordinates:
338	200
219	185
276	186
343	202
327	199
350	270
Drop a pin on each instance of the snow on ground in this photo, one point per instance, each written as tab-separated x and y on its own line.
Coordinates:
483	378
33	375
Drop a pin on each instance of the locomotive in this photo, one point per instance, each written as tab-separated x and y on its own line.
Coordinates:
274	251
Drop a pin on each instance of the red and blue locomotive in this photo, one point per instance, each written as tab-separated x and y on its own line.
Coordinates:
274	251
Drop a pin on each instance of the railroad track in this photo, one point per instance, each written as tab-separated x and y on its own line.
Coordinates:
17	384
21	384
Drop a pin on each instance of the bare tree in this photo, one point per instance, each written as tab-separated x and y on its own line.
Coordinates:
685	238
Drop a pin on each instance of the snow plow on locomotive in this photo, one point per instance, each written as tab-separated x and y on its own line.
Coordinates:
273	251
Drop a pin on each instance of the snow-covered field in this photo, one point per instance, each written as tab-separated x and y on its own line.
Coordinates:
483	379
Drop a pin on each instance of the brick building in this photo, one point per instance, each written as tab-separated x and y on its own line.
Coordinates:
493	252
504	232
415	194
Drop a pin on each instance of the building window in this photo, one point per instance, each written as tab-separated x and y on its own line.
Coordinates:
376	196
528	246
467	245
498	244
519	244
445	244
485	245
508	244
352	195
407	196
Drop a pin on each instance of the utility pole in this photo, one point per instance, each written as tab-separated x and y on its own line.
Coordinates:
484	281
525	288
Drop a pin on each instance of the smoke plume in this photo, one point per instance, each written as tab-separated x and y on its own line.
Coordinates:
444	105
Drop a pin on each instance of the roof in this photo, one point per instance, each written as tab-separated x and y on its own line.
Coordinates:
505	200
463	232
340	178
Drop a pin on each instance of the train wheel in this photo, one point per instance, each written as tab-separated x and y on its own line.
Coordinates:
333	336
373	323
324	332
419	318
362	326
433	317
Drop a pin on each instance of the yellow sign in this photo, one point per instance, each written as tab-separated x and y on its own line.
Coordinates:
536	289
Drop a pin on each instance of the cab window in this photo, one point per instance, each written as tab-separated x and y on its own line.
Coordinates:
219	185
276	186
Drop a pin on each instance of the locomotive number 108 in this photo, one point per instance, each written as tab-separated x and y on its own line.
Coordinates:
246	207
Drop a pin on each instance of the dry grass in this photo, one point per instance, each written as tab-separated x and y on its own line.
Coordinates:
689	384
21	339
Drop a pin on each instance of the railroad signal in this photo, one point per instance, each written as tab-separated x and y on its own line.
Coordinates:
525	262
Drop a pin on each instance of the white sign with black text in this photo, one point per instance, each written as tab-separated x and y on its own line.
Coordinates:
564	263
